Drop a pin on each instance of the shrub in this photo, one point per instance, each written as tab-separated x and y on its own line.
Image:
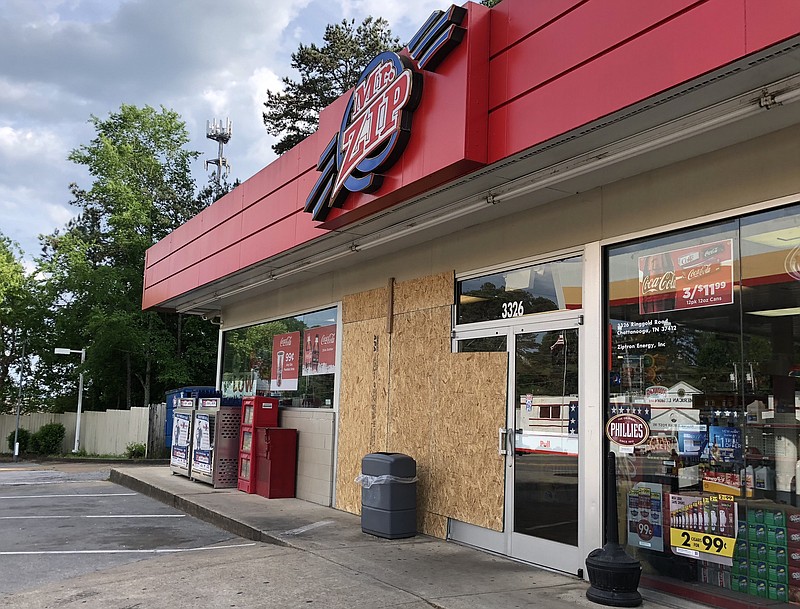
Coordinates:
136	450
24	439
48	440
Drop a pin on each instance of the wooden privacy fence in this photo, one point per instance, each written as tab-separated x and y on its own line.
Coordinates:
102	433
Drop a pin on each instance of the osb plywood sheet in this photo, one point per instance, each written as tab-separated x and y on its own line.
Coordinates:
365	305
445	414
414	396
432	524
420	347
363	404
424	293
464	431
467	371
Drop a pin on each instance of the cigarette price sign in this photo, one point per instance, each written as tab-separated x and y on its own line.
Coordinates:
703	526
645	520
704	543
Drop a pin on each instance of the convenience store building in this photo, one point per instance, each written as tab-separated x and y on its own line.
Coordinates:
541	232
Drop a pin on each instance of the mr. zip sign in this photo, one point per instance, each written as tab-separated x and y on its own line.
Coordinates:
376	124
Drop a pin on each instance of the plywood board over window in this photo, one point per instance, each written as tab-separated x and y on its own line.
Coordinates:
403	390
364	390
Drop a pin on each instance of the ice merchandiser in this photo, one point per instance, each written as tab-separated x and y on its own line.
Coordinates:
180	461
215	444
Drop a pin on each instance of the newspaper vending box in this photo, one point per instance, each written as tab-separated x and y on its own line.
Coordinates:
180	461
215	443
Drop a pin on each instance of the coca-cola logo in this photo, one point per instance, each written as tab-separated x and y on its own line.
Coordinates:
665	282
792	264
328	339
795	556
795	536
794	517
699	271
286	341
688	259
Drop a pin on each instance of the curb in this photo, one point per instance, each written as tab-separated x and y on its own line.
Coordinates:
191	508
8	458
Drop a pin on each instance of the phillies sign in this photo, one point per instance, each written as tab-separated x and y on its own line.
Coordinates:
627	430
376	124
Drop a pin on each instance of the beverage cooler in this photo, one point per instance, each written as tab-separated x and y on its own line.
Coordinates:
180	461
215	443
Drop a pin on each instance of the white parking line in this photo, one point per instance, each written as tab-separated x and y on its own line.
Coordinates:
104	516
72	495
157	551
309	527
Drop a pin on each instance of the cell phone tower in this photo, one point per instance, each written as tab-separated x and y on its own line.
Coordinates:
221	134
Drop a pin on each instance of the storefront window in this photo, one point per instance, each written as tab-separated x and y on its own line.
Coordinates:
293	358
552	286
492	344
703	399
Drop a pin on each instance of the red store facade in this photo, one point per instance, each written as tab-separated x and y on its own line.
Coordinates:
542	232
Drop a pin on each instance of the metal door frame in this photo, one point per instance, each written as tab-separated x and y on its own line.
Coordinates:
550	554
592	354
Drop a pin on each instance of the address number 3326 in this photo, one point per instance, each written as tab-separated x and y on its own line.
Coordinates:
513	309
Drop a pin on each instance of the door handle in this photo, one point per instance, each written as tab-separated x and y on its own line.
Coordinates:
502	439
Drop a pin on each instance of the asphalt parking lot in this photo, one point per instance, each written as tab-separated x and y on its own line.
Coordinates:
57	524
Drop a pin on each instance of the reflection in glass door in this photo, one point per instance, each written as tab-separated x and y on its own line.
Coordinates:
544	483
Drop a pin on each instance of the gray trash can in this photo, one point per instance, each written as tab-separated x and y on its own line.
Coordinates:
388	495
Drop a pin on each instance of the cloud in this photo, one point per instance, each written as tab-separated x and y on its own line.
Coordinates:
203	59
20	145
25	216
404	17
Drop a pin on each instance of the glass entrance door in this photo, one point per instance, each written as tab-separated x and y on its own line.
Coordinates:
542	482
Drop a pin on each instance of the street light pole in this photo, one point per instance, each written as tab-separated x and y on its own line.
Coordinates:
19	406
59	351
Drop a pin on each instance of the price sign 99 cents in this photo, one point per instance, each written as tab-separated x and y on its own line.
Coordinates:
704	543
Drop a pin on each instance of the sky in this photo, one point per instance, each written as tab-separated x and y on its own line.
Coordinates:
66	60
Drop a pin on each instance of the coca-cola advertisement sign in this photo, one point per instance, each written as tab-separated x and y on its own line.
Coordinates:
687	278
319	350
285	362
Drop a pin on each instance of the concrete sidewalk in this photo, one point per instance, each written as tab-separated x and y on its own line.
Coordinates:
442	574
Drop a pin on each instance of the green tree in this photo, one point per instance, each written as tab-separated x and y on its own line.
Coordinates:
17	304
213	190
326	72
141	190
